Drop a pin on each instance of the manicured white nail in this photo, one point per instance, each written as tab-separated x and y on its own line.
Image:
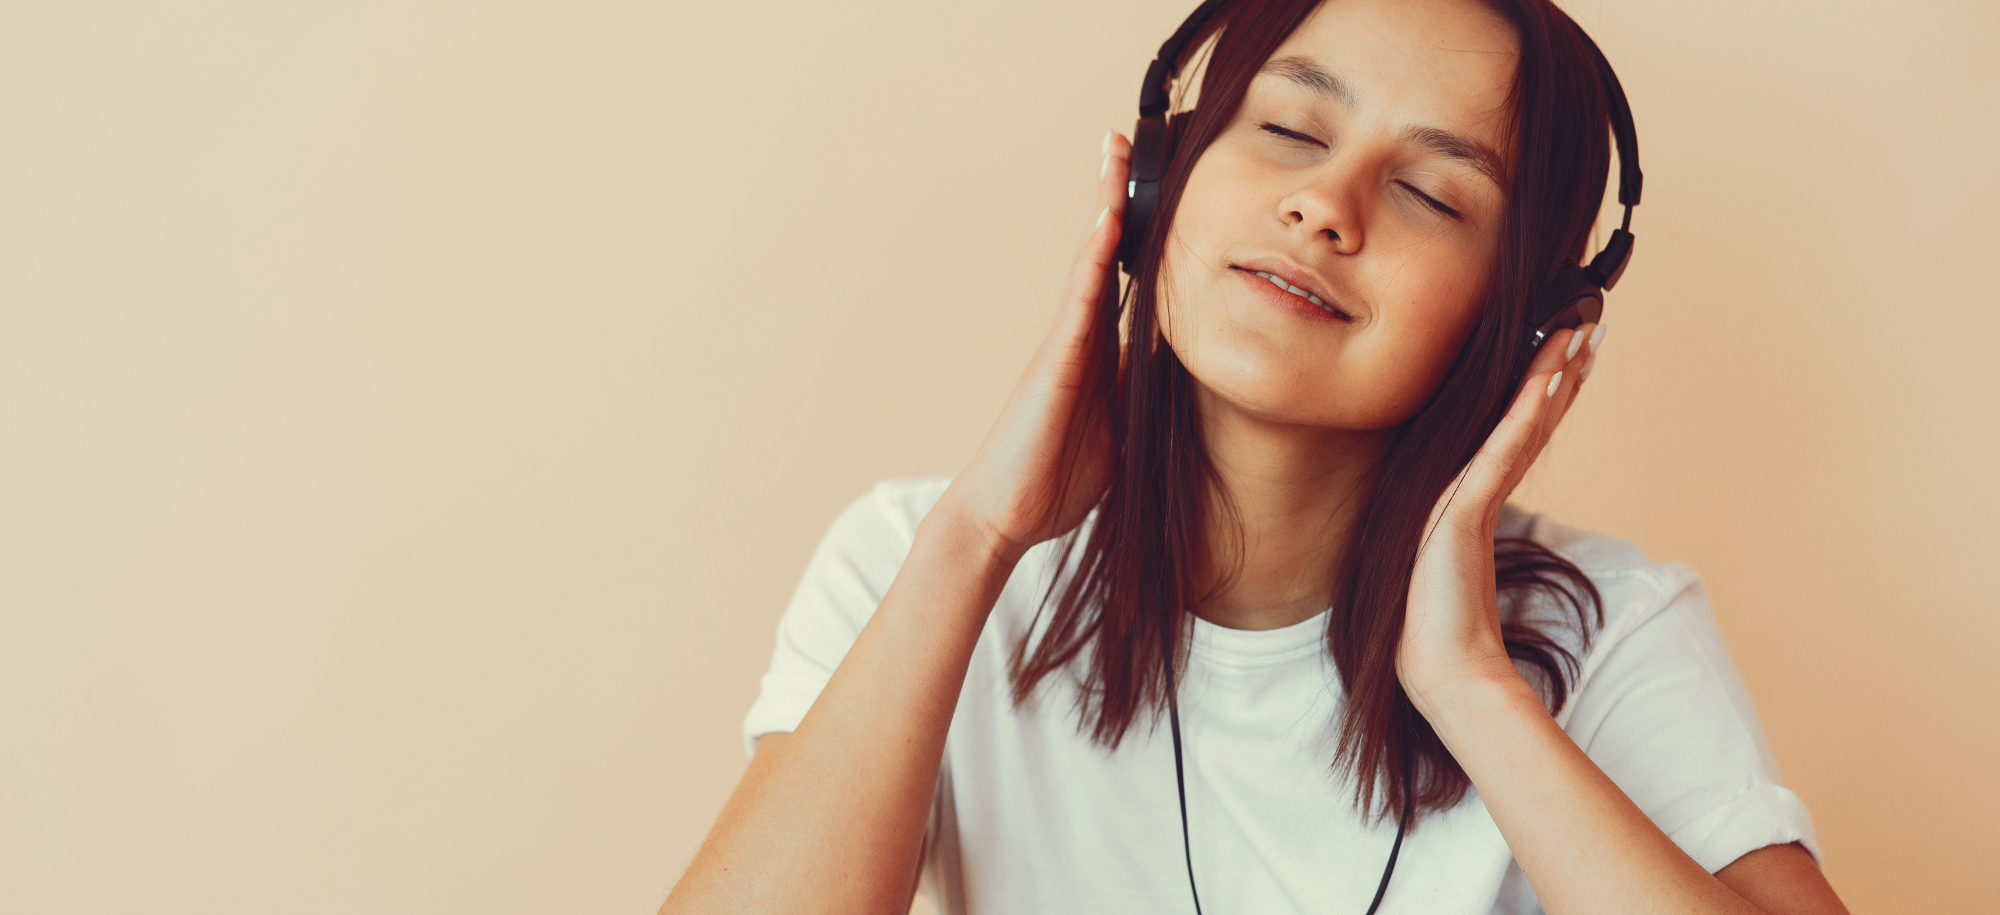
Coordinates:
1575	340
1596	337
1100	219
1585	371
1104	148
1103	167
1553	383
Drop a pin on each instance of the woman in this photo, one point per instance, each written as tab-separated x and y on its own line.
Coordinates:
1276	521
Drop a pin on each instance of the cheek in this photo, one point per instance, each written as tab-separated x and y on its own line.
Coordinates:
1203	222
1422	334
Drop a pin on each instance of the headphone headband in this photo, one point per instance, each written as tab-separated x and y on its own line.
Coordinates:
1167	64
1609	264
1622	132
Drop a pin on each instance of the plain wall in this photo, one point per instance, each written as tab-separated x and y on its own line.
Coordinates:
414	416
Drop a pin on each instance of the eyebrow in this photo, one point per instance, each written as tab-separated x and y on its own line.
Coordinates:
1460	148
1312	76
1318	80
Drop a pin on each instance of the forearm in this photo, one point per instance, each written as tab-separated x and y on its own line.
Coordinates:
1584	846
835	820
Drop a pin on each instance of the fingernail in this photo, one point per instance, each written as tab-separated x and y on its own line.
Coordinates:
1104	148
1596	337
1100	219
1575	340
1553	383
1103	167
1585	371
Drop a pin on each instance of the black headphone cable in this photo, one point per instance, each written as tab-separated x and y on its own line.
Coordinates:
1180	785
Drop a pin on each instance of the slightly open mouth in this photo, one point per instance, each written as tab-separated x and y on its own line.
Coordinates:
1294	290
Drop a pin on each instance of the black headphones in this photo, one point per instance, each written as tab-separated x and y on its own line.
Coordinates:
1576	294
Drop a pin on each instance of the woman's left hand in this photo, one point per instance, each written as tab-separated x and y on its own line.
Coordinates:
1451	632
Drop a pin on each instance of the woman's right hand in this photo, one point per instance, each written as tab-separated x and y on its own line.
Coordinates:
1053	439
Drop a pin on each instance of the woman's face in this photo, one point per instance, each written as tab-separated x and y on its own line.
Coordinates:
1366	167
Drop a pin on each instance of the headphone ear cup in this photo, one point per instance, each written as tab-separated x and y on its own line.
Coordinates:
1153	143
1571	299
1142	188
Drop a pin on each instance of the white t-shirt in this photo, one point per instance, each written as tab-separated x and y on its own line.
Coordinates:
1030	817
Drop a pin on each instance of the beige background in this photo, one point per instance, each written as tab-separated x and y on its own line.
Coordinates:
414	416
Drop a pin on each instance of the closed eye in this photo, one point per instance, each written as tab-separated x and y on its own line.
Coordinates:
1275	130
1425	199
1429	201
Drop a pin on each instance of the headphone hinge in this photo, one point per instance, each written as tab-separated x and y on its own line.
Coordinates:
1609	264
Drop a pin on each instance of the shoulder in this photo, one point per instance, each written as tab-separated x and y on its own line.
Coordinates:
1634	586
844	581
1659	704
1658	656
910	498
1657	626
861	552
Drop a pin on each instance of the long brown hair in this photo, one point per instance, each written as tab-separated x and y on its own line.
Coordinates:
1129	595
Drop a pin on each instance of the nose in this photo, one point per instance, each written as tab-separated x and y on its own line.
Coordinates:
1328	207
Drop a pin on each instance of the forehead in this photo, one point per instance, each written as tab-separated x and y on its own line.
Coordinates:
1442	63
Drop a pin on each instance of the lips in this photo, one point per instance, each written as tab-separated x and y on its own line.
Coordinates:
1281	284
1291	278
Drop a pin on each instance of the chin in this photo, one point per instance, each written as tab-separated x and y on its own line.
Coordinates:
1281	379
1281	394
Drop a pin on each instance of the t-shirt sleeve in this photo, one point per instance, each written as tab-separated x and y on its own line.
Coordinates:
1661	709
843	583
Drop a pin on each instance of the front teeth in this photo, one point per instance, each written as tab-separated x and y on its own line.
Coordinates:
1281	284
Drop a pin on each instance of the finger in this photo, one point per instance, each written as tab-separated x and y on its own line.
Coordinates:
1100	251
1090	274
1590	362
1554	352
1504	458
1596	343
1112	170
1539	405
1094	262
1581	354
1092	281
1553	356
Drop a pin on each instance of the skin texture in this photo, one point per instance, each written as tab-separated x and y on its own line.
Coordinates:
831	817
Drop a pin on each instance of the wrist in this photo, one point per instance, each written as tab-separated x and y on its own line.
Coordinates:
969	536
1477	693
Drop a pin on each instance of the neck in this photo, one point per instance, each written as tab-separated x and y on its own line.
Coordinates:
1298	492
